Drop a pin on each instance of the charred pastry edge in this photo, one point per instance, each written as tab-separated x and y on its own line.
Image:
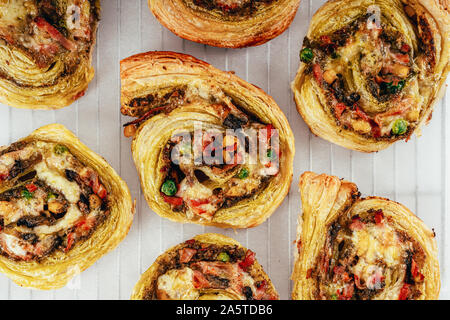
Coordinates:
148	279
56	270
143	70
322	124
204	28
53	99
324	199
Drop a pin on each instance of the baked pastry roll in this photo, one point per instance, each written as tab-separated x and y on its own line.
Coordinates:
207	267
45	51
372	70
226	23
360	248
185	109
61	208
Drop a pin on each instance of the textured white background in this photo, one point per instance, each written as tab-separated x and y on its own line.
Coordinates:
416	173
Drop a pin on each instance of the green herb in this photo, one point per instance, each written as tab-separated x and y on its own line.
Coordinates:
399	127
243	173
391	88
270	154
334	297
306	55
60	149
169	188
27	194
223	256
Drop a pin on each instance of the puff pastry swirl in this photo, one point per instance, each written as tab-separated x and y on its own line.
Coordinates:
208	267
62	207
226	23
355	248
185	106
46	51
372	70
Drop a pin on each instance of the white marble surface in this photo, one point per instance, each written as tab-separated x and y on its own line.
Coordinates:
416	173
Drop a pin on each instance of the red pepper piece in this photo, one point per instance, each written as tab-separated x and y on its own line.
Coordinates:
326	40
339	109
405	48
176	201
102	192
404	292
196	203
379	217
317	72
199	280
31	187
70	240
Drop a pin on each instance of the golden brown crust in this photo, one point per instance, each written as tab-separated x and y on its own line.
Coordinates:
55	270
140	291
157	71
30	86
430	86
200	25
324	199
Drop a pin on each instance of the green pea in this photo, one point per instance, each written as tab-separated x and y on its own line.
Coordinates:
243	173
399	127
306	55
169	188
223	256
60	149
27	194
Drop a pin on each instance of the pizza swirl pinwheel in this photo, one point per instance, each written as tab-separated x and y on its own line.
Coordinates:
45	51
186	107
351	248
207	267
372	70
61	208
226	23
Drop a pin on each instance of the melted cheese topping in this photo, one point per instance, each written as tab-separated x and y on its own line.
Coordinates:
12	12
178	285
69	189
375	243
13	244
